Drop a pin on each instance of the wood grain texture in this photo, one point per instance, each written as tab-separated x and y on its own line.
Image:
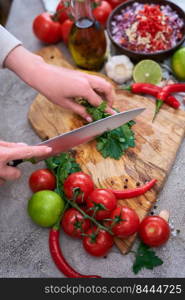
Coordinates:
156	144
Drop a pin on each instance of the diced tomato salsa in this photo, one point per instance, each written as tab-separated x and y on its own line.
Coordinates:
147	28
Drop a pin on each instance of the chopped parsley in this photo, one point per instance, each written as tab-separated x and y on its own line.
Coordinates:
112	143
145	257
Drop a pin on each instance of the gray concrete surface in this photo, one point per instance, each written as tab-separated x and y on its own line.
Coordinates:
23	245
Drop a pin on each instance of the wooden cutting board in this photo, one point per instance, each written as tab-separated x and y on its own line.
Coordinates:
156	144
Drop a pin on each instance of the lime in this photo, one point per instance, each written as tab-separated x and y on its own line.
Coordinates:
45	207
178	63
147	71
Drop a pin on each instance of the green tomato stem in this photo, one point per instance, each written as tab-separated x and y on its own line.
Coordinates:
75	205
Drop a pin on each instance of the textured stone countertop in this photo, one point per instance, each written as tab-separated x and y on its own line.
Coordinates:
23	245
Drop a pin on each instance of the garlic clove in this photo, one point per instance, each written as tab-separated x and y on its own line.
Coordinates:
165	215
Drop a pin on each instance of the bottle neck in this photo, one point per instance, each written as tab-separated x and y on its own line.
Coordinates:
81	9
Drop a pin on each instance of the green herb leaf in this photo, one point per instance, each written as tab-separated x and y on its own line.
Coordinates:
62	166
97	113
112	143
145	258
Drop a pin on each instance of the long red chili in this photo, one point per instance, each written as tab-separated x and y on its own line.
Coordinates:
126	194
59	259
170	89
153	90
145	88
172	101
165	92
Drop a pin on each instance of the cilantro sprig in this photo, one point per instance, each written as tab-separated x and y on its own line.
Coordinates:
96	113
62	166
145	257
112	143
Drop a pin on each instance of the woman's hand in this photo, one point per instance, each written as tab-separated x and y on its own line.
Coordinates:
60	85
12	151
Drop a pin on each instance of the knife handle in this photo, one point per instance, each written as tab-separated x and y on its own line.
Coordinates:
15	163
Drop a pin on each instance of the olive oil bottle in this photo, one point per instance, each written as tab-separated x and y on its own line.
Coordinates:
87	41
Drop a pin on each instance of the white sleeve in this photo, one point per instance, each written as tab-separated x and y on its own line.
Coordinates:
7	43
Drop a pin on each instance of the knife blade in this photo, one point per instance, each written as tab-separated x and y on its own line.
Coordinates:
66	141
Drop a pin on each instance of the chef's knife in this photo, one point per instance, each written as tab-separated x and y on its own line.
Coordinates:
84	134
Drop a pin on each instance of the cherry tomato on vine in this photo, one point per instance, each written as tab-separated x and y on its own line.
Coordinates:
65	30
46	28
154	231
42	179
115	3
102	11
62	12
80	181
98	242
74	224
125	221
103	202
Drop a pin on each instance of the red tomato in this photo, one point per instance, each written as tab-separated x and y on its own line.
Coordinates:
81	181
154	231
62	12
74	224
102	200
115	3
65	30
41	180
102	11
129	223
98	242
46	29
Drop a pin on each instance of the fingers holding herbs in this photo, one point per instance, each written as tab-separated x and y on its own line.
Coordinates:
112	143
103	87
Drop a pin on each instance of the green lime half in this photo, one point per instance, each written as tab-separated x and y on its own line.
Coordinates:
178	63
45	207
147	71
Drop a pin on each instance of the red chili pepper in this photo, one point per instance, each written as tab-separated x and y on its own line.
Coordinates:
126	194
153	90
170	89
172	101
165	92
145	88
59	259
